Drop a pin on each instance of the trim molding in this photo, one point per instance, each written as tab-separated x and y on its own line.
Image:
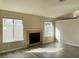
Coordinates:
5	51
76	45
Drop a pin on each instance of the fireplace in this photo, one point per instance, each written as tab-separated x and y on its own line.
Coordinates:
34	37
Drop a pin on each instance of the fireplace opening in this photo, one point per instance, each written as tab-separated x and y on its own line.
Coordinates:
34	38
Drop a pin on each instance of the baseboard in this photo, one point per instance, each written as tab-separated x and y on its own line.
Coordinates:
76	45
5	51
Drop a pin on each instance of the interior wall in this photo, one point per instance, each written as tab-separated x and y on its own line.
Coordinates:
29	22
68	31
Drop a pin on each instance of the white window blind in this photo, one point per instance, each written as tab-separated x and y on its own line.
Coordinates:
18	30
7	30
48	29
12	30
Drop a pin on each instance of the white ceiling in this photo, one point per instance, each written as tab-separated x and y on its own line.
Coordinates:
48	8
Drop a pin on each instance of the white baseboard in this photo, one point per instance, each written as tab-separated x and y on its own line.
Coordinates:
68	43
11	50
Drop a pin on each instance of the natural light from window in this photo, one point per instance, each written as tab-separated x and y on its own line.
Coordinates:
12	30
57	34
48	29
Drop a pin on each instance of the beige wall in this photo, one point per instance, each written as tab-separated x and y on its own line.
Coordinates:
69	31
29	22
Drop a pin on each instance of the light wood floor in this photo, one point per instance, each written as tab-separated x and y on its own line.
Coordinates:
67	52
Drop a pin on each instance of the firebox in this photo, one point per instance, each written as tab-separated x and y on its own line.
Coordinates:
34	38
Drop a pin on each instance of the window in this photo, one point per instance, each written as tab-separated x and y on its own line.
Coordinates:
12	30
7	30
48	29
18	30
